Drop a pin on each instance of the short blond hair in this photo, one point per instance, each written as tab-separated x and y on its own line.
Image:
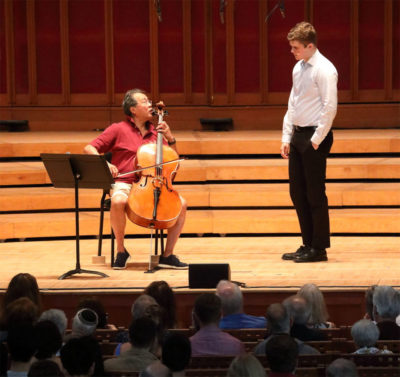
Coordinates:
303	32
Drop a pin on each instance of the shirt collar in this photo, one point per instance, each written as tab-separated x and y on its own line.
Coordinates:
312	61
150	129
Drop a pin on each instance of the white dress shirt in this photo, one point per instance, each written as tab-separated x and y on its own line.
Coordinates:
313	98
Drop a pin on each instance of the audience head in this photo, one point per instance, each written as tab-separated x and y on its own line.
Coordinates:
176	352
207	309
316	301
19	312
22	343
146	306
369	306
246	366
142	333
22	285
56	316
282	352
298	309
49	340
45	368
164	295
278	319
231	297
341	368
96	305
84	323
365	333
78	356
386	302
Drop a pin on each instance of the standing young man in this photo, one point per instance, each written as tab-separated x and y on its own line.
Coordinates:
123	139
307	139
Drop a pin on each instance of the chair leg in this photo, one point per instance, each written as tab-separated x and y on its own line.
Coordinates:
101	223
112	247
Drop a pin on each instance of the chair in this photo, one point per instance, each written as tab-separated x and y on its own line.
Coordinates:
105	205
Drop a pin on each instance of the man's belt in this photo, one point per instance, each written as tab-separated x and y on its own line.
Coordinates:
304	129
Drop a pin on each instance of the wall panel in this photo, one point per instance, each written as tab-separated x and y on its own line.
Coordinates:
198	46
48	46
218	49
87	46
332	22
131	45
371	44
3	75
170	45
21	50
396	45
247	54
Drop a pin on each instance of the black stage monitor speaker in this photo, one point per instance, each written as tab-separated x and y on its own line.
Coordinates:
207	275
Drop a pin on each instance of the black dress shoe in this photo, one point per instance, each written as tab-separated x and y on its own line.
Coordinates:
312	255
300	251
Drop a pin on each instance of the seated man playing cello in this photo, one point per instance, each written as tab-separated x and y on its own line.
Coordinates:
123	139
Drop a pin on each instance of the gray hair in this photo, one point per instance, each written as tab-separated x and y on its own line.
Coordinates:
365	333
341	368
298	308
278	319
315	299
146	306
386	301
130	101
56	316
246	366
231	297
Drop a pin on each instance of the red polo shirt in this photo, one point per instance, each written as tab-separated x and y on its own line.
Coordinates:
123	139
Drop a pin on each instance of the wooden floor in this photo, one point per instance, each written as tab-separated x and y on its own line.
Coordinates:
354	263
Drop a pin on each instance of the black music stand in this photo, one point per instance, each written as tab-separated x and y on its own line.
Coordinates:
78	171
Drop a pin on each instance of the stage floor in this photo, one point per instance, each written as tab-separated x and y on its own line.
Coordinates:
354	263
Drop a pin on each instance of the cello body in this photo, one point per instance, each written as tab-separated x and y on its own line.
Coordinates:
152	202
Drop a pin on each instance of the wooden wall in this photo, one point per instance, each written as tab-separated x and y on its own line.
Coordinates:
65	64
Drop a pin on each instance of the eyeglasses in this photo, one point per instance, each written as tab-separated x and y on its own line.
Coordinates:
146	102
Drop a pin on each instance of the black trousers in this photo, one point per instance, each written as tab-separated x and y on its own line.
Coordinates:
307	174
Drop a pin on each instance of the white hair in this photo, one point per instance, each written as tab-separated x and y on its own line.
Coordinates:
231	297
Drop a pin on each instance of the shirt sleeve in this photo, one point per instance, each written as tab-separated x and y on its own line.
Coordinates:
287	131
105	141
327	86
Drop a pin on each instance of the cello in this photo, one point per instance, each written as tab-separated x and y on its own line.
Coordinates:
152	202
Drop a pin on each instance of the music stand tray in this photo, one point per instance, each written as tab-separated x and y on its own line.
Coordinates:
78	171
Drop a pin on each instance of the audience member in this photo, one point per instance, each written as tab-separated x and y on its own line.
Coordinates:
386	302
210	339
22	345
300	311
78	357
278	323
164	295
282	353
365	334
49	340
143	306
56	316
341	368
246	366
84	323
176	353
319	313
233	316
3	359
97	306
369	305
22	285
45	368
142	333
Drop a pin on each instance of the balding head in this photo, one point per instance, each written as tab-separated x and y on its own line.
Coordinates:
231	297
298	309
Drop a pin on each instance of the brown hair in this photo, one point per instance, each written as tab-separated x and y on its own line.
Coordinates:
303	32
